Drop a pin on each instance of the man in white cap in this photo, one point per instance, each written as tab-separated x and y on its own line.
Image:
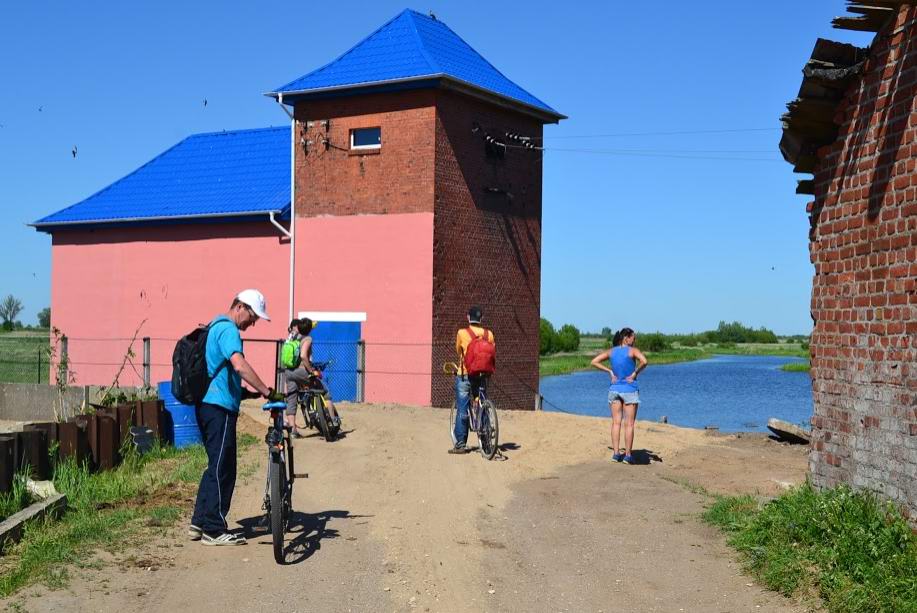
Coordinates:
218	413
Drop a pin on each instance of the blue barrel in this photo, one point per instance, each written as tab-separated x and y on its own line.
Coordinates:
182	429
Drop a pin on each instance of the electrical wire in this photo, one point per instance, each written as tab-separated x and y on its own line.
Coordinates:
667	133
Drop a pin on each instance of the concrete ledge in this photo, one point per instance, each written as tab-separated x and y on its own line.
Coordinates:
36	401
11	528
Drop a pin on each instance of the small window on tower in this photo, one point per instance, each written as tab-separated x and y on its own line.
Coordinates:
366	138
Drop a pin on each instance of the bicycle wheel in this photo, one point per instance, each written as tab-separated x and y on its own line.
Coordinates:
318	410
278	488
489	431
302	410
452	413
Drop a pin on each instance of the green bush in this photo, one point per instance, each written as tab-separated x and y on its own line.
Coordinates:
568	338
736	332
548	337
653	341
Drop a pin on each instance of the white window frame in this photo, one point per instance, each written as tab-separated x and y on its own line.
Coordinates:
364	147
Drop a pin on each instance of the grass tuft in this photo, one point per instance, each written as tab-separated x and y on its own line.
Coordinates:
857	554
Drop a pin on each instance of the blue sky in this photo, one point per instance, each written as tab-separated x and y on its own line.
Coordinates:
644	225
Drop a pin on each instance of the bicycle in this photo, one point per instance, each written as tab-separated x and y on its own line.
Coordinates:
482	415
311	403
278	489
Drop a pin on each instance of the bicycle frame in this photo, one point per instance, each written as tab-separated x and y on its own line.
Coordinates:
477	401
280	449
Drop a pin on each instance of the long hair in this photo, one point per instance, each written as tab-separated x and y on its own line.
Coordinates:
620	335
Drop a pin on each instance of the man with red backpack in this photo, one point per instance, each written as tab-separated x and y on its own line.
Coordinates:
476	349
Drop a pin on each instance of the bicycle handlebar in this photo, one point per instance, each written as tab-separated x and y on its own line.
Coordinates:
274	405
450	368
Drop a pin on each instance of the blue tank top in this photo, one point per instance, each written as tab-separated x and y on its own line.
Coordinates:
622	365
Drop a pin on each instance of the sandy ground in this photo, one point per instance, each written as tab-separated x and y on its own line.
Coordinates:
388	521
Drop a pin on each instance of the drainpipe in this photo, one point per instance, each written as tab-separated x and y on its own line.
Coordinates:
291	234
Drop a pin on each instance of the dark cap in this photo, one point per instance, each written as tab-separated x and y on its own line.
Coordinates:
475	314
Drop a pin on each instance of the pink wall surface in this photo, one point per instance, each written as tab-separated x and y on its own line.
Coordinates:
381	265
106	282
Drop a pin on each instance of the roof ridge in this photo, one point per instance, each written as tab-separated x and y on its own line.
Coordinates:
434	66
346	53
497	70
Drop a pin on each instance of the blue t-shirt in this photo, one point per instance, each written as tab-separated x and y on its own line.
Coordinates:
623	366
223	340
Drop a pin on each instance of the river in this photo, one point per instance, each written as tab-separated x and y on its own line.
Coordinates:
735	393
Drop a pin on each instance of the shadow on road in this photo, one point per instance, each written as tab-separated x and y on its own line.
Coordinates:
644	456
305	532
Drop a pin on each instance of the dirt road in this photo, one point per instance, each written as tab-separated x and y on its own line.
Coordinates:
388	521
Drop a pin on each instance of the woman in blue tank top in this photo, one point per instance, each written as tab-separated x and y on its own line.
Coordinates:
623	394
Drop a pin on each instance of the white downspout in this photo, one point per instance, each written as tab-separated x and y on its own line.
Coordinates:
291	234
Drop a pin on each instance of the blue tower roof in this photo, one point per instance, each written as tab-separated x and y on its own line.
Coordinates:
414	49
219	174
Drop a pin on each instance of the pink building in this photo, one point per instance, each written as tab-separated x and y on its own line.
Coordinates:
400	154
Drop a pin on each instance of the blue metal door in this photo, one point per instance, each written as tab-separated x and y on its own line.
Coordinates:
337	342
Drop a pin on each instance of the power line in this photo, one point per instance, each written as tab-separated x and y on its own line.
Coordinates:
667	133
661	153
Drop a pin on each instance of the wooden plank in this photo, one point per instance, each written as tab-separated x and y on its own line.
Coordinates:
858	24
11	528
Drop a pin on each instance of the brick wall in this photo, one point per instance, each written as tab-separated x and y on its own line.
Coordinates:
864	296
487	243
398	178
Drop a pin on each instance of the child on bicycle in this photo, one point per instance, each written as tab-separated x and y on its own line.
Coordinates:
299	376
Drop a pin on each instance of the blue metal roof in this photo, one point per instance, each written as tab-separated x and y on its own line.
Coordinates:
412	47
219	174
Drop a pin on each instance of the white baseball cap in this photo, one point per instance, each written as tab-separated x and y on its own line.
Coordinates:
255	300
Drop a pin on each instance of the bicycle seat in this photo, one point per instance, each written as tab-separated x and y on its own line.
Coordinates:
275	405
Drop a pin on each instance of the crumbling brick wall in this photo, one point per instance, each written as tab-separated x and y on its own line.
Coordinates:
864	295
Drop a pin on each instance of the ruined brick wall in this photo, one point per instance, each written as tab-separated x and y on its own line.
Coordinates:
487	242
398	178
864	296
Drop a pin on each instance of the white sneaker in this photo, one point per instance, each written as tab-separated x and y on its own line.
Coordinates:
194	533
227	538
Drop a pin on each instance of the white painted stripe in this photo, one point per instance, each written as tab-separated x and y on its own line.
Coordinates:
219	460
321	316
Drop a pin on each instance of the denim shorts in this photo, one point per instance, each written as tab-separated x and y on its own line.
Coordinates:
625	397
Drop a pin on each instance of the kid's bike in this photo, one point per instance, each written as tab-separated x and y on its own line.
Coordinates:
311	403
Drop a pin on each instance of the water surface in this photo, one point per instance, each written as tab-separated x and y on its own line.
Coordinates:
736	393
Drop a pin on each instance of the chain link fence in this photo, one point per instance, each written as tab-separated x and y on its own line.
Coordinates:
24	358
377	371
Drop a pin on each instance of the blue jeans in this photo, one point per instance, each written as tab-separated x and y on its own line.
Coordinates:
462	405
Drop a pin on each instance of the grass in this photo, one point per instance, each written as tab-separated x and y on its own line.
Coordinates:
796	366
855	553
24	357
103	509
17	498
590	346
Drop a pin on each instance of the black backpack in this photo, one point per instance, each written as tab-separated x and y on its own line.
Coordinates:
190	379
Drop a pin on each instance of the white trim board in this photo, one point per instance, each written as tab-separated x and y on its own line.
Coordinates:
333	315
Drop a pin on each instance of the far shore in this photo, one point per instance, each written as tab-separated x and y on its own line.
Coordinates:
566	363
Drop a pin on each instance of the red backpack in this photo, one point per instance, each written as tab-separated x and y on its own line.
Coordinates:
481	354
